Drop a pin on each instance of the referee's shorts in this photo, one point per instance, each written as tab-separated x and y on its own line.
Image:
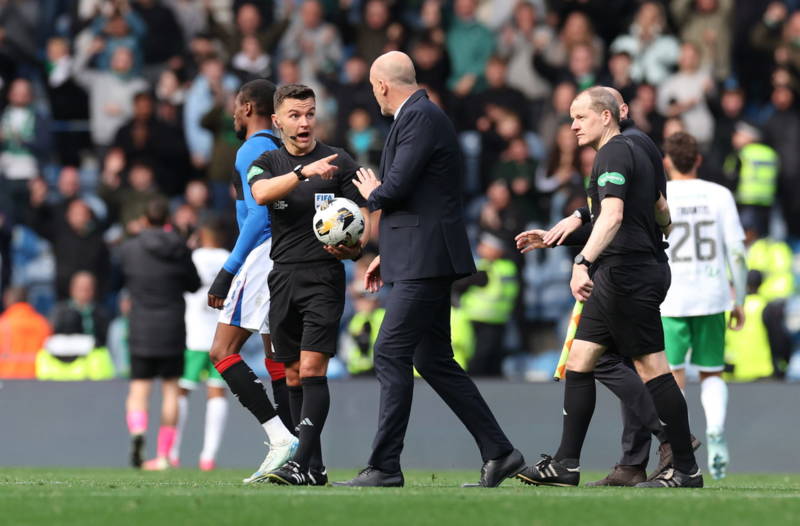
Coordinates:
306	308
623	313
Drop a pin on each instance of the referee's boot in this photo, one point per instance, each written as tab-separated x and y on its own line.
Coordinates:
374	478
289	474
622	475
552	472
672	478
494	472
317	477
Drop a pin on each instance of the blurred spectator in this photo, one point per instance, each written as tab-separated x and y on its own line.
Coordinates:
683	95
218	121
23	332
163	38
252	61
197	197
185	221
24	142
778	33
312	42
469	45
773	259
556	112
68	102
117	341
654	53
117	26
619	75
707	23
498	215
248	22
727	109
363	139
498	94
753	171
673	125
110	93
644	114
371	35
517	168
489	307
353	92
580	69
748	352
81	314
170	97
126	202
516	45
190	15
431	64
362	330
211	87
147	136
498	128
76	238
576	31
18	52
782	132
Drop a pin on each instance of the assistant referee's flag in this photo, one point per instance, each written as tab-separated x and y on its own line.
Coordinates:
571	328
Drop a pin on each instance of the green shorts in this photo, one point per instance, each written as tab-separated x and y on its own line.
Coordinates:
702	336
197	367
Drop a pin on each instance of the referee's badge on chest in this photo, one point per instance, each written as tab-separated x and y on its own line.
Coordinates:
321	199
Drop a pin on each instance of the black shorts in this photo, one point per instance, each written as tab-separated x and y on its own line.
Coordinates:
305	310
623	312
147	368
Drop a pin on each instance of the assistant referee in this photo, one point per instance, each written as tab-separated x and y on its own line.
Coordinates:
307	283
622	276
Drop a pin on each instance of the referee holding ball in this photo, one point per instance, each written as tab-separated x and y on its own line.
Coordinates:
307	283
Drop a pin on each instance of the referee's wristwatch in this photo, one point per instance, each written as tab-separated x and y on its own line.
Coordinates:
298	171
580	260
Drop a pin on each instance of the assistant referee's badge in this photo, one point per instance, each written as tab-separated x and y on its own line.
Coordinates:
254	171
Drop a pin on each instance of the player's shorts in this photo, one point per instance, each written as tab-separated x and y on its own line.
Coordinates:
307	306
197	367
623	313
701	336
247	304
147	368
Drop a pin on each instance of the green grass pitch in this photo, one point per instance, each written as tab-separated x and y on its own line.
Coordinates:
62	496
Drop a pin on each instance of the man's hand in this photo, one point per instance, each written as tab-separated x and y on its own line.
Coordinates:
321	167
737	318
580	284
342	251
366	182
558	234
372	277
531	240
218	290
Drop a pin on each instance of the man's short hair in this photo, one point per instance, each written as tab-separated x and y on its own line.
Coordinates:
292	91
682	150
601	100
260	93
157	211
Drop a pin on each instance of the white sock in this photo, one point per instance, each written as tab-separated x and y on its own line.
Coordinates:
183	414
276	431
216	415
714	396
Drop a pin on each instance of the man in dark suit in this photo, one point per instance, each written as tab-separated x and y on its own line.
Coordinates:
424	248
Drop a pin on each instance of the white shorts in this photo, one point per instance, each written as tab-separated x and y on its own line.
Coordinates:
247	304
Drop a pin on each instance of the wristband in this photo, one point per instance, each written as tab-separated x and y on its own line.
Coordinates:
583	214
222	284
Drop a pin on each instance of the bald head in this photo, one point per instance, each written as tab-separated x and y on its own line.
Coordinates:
623	108
393	80
395	68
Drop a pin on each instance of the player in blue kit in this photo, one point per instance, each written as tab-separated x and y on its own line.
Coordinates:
240	289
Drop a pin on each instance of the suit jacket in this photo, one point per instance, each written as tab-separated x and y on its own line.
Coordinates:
422	230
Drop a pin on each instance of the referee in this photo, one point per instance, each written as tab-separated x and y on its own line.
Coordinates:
307	282
622	276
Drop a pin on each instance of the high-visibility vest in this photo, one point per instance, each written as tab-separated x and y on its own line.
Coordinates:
758	176
748	350
774	260
96	365
358	361
494	302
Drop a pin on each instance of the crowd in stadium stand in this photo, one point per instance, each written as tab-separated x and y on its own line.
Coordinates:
107	103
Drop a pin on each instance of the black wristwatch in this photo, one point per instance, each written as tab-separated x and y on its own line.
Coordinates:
298	171
580	260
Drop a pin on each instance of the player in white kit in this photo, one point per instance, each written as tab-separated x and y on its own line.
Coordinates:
706	246
201	322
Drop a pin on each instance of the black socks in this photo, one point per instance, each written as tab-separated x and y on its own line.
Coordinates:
579	399
246	386
672	410
309	404
280	394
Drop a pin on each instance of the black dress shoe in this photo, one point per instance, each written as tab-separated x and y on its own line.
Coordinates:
370	477
622	476
494	472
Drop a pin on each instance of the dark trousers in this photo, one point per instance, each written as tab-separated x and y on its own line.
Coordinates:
639	416
416	333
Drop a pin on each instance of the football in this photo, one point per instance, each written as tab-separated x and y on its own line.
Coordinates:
338	221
